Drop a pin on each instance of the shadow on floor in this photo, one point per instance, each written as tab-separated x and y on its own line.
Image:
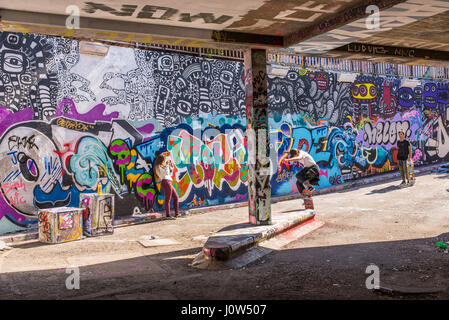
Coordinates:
323	272
385	190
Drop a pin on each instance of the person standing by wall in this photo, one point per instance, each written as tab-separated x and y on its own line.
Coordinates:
163	170
404	154
310	174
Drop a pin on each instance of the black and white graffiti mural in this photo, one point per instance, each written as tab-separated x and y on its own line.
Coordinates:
316	93
171	87
25	79
37	71
70	85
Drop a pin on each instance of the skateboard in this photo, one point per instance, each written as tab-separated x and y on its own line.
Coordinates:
307	197
411	172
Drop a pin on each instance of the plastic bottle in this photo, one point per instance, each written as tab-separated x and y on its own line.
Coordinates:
442	245
99	188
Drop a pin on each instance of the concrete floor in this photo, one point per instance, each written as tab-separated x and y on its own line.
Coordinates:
394	228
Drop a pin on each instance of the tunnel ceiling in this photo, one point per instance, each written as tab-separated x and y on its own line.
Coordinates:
412	31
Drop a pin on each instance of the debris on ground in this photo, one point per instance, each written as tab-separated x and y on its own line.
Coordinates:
3	246
442	169
442	245
154	241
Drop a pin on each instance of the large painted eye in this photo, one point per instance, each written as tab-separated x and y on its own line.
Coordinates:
373	91
28	167
426	87
205	106
25	79
362	90
276	99
405	94
226	77
433	89
292	75
184	107
355	91
13	62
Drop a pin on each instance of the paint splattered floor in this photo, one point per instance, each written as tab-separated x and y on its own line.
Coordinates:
394	228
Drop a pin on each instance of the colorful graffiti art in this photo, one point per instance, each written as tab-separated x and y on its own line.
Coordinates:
59	225
98	213
362	140
69	124
49	164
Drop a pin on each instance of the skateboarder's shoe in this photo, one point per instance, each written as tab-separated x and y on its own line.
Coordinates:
403	183
311	188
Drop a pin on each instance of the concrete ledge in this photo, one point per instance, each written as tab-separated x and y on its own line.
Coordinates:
232	240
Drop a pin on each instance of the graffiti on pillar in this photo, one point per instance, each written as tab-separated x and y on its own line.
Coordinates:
259	189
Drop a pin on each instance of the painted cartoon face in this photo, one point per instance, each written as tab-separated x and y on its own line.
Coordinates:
279	98
322	79
430	95
388	102
418	91
165	64
443	94
364	91
406	97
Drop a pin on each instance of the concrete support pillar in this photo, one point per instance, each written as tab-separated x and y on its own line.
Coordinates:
259	188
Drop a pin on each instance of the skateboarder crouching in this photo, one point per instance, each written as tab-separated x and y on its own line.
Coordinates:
310	174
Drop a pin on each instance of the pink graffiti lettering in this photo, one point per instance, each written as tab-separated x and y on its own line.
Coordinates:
7	187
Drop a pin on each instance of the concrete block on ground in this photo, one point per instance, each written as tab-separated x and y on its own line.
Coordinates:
232	240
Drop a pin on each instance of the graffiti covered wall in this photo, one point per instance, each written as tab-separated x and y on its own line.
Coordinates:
351	129
70	122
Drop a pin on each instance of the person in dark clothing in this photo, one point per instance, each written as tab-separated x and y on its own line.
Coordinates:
310	174
404	154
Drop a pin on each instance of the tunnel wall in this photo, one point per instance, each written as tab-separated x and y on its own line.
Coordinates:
71	121
351	128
